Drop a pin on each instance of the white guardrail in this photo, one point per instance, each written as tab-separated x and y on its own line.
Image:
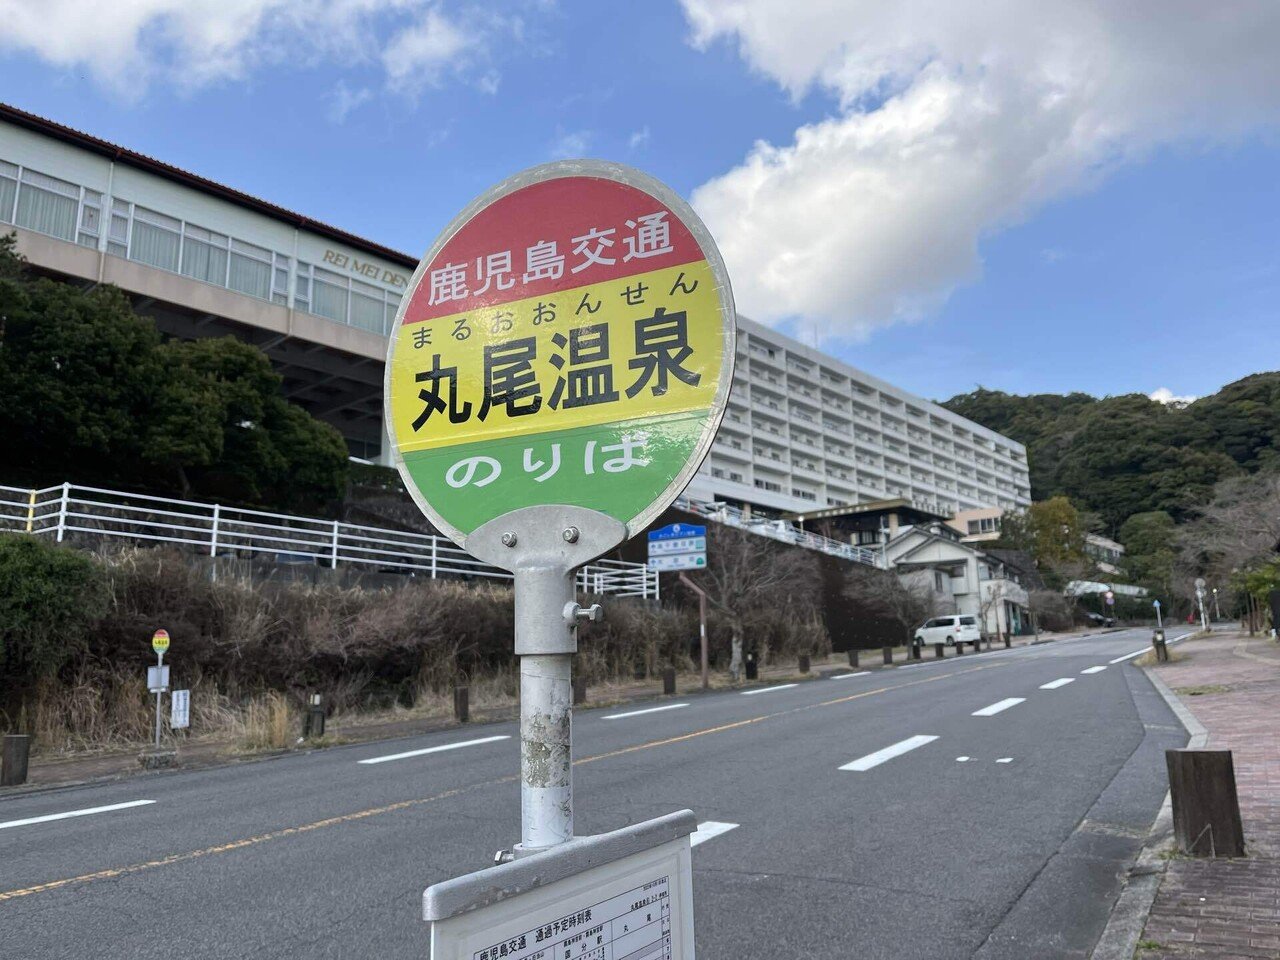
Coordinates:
781	530
230	531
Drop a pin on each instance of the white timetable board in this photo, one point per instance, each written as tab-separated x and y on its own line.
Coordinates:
636	907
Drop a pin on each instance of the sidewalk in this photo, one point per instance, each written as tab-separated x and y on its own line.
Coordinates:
1228	909
48	771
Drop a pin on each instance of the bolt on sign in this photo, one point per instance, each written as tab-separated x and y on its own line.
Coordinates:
568	340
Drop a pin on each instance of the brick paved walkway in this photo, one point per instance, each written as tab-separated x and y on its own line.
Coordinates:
1228	909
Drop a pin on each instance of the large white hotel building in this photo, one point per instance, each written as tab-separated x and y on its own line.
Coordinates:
803	431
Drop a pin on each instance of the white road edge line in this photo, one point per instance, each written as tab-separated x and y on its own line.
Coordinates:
709	830
781	686
1055	684
846	676
640	713
999	707
1130	656
888	753
1138	653
1093	669
439	749
1005	760
75	813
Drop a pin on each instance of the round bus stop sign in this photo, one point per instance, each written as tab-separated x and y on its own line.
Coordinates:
160	641
568	340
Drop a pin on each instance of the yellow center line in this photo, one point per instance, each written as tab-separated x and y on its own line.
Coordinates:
174	858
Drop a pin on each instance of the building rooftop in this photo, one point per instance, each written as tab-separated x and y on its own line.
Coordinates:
119	154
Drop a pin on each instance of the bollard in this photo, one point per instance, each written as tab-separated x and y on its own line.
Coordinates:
461	704
916	651
977	646
313	722
939	651
1008	641
669	680
853	659
579	690
1206	810
804	663
753	668
888	654
1162	649
13	765
959	649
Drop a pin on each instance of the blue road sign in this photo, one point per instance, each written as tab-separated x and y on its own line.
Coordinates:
677	531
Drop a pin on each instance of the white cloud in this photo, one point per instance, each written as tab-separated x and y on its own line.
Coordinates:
570	143
952	121
130	45
1169	398
343	100
639	138
419	55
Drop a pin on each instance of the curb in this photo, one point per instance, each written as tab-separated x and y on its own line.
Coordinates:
1119	939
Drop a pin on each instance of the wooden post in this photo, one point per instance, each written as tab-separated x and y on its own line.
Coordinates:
888	654
579	690
853	659
1206	810
669	680
13	765
462	704
939	651
804	663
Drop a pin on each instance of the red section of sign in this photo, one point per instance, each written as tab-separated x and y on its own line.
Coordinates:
543	236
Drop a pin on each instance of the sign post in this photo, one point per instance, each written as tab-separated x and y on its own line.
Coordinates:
557	372
1159	619
158	676
683	546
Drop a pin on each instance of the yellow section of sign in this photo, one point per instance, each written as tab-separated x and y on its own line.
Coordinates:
160	641
626	349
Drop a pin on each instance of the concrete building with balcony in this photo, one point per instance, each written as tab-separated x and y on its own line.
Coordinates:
803	430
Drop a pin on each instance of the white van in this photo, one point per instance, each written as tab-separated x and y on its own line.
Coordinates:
949	630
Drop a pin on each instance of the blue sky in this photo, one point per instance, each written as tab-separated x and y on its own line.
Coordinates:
1123	243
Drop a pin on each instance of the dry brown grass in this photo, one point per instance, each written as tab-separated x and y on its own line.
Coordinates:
269	723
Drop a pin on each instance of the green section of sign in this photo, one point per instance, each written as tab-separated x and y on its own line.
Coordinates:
614	468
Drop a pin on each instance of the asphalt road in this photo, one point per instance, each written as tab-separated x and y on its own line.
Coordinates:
1013	852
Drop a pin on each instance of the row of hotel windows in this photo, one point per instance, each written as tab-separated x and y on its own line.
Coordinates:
69	212
761	348
892	489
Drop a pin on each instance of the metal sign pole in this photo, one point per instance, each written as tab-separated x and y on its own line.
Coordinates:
702	624
160	664
542	546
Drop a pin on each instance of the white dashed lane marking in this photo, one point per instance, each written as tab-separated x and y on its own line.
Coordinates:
999	707
84	812
781	686
888	753
1093	669
709	830
440	749
640	713
1055	684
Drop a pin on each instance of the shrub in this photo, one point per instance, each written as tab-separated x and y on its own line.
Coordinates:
49	598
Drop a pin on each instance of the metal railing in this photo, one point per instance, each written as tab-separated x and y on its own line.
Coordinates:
780	530
222	531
